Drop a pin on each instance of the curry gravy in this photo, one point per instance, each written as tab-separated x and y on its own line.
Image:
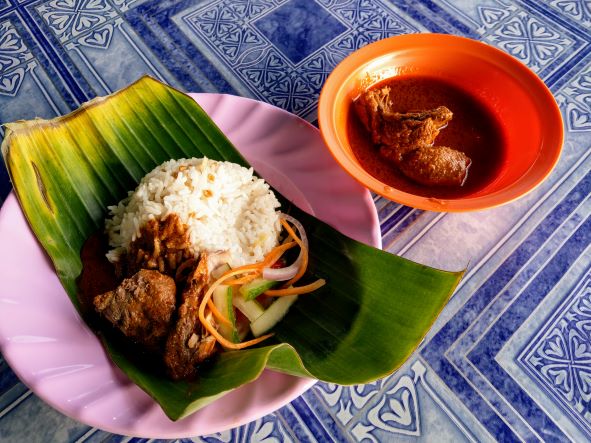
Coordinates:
474	130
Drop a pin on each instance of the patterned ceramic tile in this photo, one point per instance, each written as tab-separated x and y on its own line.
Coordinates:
124	5
14	56
392	410
312	28
68	20
4	6
578	10
474	335
287	66
559	358
269	428
575	99
526	37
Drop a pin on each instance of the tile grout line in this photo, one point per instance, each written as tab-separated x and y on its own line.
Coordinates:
514	280
437	398
421	234
399	226
15	403
85	436
49	50
508	306
523	220
481	377
156	72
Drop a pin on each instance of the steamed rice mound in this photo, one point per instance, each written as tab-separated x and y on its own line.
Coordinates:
225	207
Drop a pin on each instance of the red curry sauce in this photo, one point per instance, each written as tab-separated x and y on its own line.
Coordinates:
98	274
474	130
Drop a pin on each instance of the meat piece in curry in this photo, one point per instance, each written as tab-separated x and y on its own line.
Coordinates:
436	166
144	307
163	246
188	343
406	131
407	138
395	132
141	307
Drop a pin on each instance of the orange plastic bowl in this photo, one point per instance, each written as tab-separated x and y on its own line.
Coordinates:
523	105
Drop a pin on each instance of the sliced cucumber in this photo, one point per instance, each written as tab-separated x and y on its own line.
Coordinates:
220	270
272	315
251	309
252	290
222	299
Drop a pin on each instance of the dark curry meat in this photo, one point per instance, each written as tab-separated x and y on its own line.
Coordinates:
156	304
396	132
162	245
407	138
435	165
416	109
188	343
141	307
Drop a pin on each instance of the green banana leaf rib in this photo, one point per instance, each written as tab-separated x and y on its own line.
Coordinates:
361	326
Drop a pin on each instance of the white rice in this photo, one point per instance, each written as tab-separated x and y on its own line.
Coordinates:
225	207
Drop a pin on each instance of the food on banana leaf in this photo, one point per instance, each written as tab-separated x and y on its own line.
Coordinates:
195	252
362	325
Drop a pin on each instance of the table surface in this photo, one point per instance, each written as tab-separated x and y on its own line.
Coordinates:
510	356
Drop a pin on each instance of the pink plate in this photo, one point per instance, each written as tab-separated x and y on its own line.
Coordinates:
60	359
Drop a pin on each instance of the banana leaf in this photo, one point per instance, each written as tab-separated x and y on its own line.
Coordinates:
361	326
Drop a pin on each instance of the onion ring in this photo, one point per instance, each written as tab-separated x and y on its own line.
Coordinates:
287	273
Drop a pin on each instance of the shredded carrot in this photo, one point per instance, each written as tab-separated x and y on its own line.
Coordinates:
297	290
291	232
245	279
301	271
215	311
276	254
251	272
217	314
244	269
213	331
229	345
287	239
304	264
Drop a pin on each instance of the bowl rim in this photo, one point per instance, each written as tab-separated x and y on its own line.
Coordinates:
365	55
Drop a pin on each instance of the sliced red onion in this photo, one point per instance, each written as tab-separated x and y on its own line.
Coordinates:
282	274
298	226
287	273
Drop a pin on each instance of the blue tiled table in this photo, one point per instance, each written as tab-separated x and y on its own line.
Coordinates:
510	357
